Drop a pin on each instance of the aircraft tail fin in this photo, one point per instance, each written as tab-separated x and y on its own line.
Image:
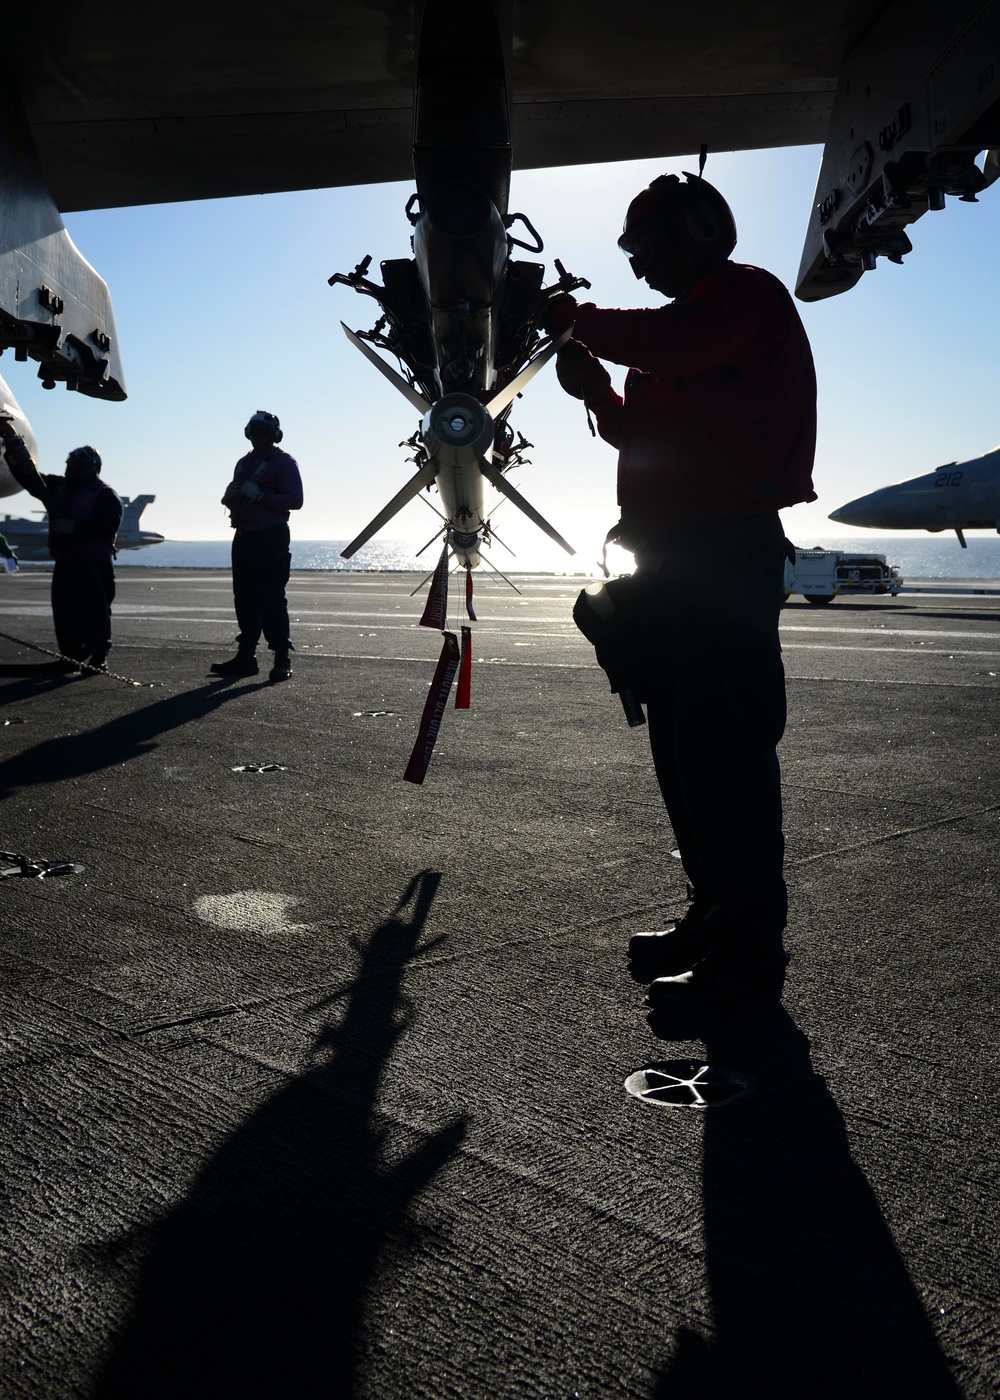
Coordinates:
132	508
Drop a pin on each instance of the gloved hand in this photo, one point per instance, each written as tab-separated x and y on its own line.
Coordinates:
251	490
581	374
558	314
62	526
15	450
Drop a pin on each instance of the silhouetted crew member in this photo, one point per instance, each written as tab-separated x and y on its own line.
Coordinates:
716	432
265	487
84	516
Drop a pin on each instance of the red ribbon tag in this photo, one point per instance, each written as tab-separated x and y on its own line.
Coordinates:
436	607
430	720
463	692
468	595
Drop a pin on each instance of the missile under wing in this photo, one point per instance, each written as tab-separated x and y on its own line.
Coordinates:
958	496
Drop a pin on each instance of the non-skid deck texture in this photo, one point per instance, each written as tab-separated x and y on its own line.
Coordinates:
313	1080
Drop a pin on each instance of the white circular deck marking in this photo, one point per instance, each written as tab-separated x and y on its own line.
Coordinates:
686	1084
258	910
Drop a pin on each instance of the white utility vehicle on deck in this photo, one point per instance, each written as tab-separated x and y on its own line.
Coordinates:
820	574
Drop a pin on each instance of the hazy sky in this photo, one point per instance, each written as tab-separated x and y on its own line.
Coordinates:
222	307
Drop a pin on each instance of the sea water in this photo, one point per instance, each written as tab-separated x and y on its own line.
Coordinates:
923	557
389	556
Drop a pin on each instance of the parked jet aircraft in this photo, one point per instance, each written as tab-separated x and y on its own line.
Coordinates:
29	537
959	496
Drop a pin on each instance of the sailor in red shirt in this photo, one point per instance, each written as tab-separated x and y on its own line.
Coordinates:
715	433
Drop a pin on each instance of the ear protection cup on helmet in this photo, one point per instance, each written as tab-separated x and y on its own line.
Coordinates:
264	419
694	210
705	211
88	457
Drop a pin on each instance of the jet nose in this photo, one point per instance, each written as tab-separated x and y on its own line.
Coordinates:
866	510
842	516
847	514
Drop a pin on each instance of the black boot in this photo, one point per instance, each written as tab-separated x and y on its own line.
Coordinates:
282	667
671	950
719	983
244	663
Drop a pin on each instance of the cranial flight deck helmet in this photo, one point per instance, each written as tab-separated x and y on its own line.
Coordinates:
691	222
85	461
263	419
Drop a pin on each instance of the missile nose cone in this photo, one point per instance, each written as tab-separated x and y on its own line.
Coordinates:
457	430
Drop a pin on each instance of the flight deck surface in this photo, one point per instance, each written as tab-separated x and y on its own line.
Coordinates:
313	1080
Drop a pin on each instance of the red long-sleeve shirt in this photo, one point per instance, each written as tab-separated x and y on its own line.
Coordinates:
719	413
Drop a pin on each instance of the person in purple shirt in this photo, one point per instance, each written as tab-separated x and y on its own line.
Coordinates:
84	516
266	485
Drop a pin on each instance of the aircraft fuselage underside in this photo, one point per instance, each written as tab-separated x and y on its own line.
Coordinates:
94	114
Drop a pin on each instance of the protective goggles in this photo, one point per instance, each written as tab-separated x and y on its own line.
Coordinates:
641	243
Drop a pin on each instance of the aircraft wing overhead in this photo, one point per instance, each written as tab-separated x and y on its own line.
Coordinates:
243	99
112	105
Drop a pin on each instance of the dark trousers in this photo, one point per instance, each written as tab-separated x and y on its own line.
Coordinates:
82	594
713	735
261	565
714	687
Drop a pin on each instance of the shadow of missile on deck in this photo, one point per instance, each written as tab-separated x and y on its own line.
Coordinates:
257	1283
809	1294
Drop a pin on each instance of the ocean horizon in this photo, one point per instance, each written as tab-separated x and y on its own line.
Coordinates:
937	557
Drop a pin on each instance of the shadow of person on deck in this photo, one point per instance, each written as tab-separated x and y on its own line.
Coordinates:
125	737
256	1284
809	1294
38	670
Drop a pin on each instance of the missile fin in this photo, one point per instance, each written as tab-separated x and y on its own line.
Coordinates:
501	484
500	401
413	487
407	390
